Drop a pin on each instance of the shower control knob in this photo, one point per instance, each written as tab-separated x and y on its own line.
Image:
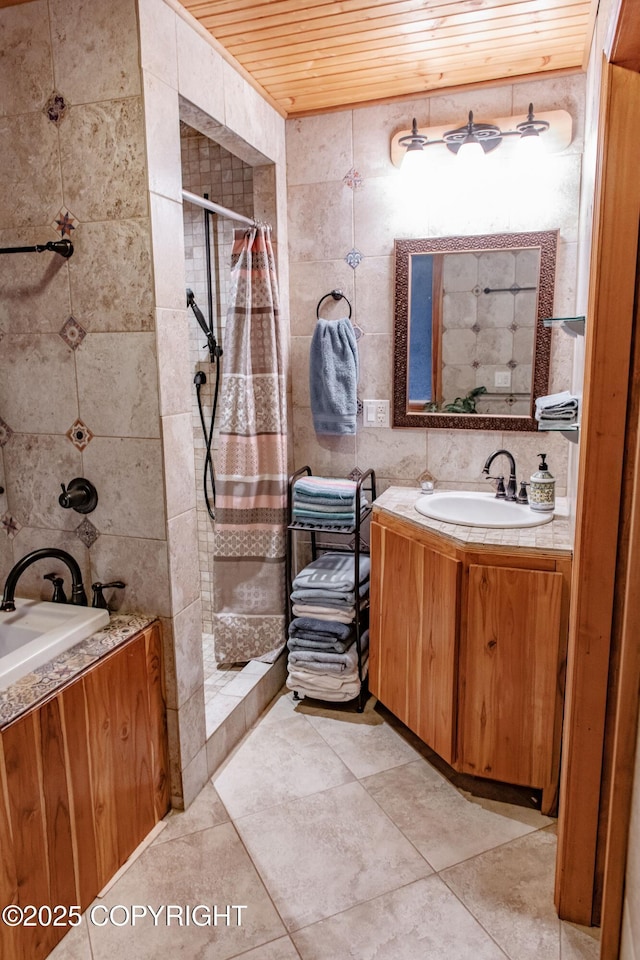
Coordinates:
79	495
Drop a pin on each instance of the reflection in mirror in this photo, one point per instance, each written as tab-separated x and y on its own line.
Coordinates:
471	349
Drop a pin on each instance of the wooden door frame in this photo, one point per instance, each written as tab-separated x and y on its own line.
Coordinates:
600	484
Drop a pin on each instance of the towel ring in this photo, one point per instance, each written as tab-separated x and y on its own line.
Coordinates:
337	295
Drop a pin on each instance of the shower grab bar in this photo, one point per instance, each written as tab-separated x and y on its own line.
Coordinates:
217	208
63	247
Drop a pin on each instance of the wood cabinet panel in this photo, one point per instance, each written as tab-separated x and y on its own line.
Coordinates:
84	780
468	649
509	666
413	635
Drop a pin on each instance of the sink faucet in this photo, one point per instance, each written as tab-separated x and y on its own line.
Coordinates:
78	595
510	493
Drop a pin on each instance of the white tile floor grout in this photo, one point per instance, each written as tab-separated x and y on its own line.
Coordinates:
345	844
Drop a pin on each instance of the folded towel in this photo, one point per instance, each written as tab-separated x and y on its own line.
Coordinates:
332	572
324	613
333	377
327	629
557	406
328	516
329	597
328	646
350	692
323	681
331	488
337	507
320	661
324	521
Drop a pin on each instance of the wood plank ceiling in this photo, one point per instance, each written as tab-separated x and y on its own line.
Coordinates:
316	55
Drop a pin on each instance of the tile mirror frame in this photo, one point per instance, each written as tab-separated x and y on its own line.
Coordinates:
546	242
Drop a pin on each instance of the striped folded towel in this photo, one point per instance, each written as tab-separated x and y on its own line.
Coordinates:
331	488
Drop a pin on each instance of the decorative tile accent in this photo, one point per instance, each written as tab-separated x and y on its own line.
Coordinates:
55	108
354	258
79	434
10	525
353	179
359	332
64	222
72	333
477	290
356	473
515	288
514	326
359	407
475	364
476	328
5	432
512	364
87	533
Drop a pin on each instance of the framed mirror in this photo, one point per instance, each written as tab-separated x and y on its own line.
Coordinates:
471	350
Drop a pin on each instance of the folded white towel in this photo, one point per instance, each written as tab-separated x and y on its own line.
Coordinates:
557	406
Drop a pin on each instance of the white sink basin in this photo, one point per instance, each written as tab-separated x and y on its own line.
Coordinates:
37	631
478	510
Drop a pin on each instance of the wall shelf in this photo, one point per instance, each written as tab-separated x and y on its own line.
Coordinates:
570	430
574	326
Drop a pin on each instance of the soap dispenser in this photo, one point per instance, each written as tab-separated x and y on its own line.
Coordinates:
542	487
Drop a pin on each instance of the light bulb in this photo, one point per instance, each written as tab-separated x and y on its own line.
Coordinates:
531	146
414	162
470	151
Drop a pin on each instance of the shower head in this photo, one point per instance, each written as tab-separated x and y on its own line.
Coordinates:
191	302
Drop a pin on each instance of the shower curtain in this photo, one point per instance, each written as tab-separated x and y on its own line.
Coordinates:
249	572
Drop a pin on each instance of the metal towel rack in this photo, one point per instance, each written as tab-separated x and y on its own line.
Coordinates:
63	247
337	295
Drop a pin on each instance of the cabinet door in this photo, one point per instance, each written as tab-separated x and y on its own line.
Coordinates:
414	617
83	779
509	673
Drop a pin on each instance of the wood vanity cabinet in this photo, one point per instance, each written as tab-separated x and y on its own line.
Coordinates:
83	779
468	648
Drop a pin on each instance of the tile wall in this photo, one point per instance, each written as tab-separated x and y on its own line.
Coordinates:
78	370
95	375
347	203
209	168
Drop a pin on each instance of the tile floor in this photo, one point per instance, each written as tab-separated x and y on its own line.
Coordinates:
344	843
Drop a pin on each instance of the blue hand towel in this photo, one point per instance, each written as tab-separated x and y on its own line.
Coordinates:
333	377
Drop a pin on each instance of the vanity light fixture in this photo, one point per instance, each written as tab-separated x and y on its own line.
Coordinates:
472	139
414	145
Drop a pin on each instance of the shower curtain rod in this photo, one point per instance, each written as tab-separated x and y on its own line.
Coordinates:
217	208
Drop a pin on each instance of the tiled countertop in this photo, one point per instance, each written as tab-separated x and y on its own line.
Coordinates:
556	535
26	692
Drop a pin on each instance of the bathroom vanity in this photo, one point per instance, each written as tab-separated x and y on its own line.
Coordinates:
468	639
83	777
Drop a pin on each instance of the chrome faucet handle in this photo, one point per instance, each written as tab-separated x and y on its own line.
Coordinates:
522	493
501	493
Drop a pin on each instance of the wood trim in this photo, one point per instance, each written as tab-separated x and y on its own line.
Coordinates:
608	348
625	46
622	724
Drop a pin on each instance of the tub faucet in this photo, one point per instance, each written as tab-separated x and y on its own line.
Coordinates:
78	595
510	492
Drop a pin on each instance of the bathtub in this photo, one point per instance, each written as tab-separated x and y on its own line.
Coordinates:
37	631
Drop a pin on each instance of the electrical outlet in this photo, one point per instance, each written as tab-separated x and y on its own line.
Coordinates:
502	378
375	413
